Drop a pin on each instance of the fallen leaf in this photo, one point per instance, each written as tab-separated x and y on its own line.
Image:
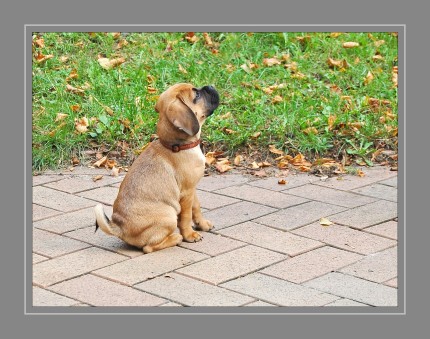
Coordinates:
255	135
237	160
110	63
228	131
191	37
335	34
121	44
267	90
377	57
211	157
261	173
116	35
40	42
81	125
264	164
110	163
325	222
63	58
331	121
75	90
337	63
254	165
271	62
223	166
151	90
61	116
395	76
114	172
285	57
369	78
335	89
277	99
246	68
291	66
360	173
182	69
379	43
208	40
298	75
73	75
75	108
75	161
40	58
282	182
274	150
100	162
310	130
350	44
97	177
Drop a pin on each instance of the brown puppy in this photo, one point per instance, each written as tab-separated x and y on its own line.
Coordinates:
158	193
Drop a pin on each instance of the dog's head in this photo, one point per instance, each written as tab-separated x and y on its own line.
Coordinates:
183	109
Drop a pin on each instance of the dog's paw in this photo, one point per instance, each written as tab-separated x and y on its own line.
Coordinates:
204	225
193	237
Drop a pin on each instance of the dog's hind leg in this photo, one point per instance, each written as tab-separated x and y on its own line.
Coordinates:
170	241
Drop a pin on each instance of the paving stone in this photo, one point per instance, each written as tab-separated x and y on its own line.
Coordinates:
346	238
276	240
213	244
367	215
262	196
71	265
43	179
100	239
59	201
53	245
296	216
42	297
378	267
210	200
345	302
350	182
378	191
387	229
262	287
150	265
292	181
41	212
101	292
237	213
391	282
191	292
70	221
259	303
216	182
105	195
81	170
354	288
390	182
311	264
232	264
330	196
38	258
81	183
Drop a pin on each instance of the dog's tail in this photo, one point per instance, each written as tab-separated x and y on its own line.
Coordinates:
104	223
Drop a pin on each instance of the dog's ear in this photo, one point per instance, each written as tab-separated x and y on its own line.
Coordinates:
182	117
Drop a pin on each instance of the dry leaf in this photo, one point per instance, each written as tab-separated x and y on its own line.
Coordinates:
208	40
285	57
261	173
114	172
63	58
182	69
377	57
335	89
360	173
331	121
75	108
110	63
151	90
111	163
291	66
379	43
237	160
264	164
274	150
268	90
223	166
298	75
40	42
116	35
75	161
246	68
277	99
369	78
228	131
73	75
97	177
337	63
121	44
74	90
335	34
350	44
40	58
61	116
310	130
325	222
271	61
395	76
255	135
100	162
191	37
254	165
81	125
282	182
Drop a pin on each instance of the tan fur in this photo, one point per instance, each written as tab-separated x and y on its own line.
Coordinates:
158	193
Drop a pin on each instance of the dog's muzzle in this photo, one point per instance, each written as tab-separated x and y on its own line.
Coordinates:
212	98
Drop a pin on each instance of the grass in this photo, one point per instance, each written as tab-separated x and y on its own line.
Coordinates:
318	110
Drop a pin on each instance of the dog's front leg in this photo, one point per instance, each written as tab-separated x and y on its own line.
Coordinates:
184	219
200	222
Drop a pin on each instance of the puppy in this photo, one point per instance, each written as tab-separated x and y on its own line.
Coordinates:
158	193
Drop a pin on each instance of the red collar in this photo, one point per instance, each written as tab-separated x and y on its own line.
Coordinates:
176	147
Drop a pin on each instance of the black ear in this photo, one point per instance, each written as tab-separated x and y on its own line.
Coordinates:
182	117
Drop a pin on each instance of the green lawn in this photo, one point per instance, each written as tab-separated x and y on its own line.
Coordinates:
276	89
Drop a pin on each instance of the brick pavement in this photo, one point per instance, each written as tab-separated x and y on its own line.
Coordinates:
267	248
